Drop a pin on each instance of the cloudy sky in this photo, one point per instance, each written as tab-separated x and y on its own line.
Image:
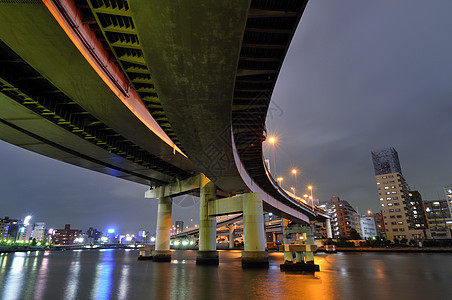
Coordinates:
360	75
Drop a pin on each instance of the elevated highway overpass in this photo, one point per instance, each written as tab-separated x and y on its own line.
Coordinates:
150	91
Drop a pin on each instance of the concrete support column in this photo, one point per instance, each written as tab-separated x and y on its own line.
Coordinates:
299	257
286	241
162	240
207	253
329	232
254	254
309	255
231	236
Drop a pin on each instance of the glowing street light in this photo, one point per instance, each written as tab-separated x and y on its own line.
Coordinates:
280	180
272	141
312	197
293	189
294	172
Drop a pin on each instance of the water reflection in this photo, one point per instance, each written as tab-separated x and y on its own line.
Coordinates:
124	283
14	277
73	279
117	274
41	281
103	278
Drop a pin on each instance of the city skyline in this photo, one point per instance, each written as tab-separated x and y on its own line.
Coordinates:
356	75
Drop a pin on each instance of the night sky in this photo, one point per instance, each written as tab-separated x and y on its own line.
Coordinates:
359	76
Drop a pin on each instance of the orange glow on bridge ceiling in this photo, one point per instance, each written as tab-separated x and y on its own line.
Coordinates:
65	14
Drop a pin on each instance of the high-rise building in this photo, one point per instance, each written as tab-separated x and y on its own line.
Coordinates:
399	215
343	219
386	161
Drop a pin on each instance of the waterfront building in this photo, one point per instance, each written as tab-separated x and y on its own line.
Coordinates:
400	219
3	229
65	236
438	213
379	224
93	235
438	233
39	231
448	193
143	236
357	218
11	228
343	219
367	227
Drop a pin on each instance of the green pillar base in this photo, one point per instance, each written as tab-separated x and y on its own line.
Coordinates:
254	259
207	258
161	256
144	257
301	267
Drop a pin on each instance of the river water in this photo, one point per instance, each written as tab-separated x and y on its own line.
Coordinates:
117	274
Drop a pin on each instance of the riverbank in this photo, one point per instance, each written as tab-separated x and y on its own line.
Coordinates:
11	249
397	249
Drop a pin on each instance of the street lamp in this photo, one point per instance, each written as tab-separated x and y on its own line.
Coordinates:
294	172
293	190
312	197
280	179
272	141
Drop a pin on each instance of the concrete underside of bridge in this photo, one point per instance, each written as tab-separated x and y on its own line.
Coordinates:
192	50
193	58
32	32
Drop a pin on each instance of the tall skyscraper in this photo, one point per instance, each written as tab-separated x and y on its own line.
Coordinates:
398	205
386	161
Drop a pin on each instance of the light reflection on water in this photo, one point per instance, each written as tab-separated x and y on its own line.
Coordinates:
102	288
12	286
117	274
73	279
